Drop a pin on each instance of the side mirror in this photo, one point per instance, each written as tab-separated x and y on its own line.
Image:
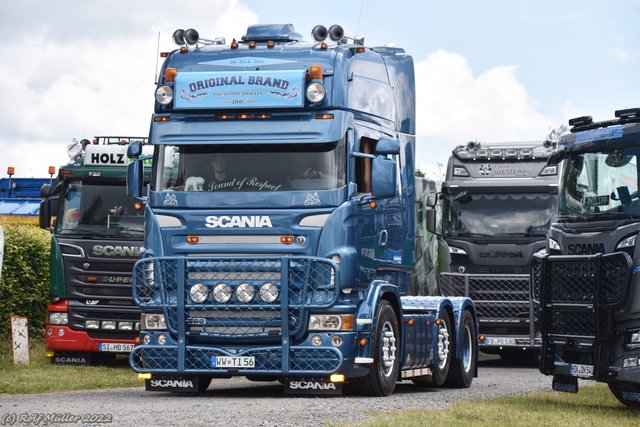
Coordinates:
135	172
386	146
431	220
432	200
45	191
384	180
44	216
134	150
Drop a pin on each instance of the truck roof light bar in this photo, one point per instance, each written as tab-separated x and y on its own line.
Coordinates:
629	113
581	121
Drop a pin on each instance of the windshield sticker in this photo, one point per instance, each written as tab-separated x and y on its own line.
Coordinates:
596	201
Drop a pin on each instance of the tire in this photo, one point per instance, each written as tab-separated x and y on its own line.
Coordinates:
463	368
622	390
443	350
383	374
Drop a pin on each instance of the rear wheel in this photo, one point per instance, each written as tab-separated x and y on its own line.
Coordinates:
381	380
441	368
627	394
463	368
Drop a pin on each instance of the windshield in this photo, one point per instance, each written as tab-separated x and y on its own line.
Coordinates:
253	168
503	214
101	210
600	186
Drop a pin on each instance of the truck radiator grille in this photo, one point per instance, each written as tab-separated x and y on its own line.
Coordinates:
277	294
497	297
301	360
576	293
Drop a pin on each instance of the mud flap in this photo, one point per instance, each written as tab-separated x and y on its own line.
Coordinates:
565	384
311	386
174	383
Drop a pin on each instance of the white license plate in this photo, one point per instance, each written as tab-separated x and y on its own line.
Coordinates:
584	371
115	347
500	341
246	362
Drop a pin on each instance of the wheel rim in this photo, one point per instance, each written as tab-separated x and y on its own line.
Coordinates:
467	350
388	349
443	345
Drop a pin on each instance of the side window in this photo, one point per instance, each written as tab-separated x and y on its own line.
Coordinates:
363	165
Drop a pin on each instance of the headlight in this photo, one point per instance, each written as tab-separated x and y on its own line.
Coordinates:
316	92
331	322
245	292
627	242
58	318
164	95
553	245
153	321
222	293
198	293
269	292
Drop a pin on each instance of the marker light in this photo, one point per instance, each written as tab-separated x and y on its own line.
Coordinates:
315	72
192	239
170	74
286	239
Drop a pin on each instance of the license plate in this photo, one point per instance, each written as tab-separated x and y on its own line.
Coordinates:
115	347
500	341
583	371
247	362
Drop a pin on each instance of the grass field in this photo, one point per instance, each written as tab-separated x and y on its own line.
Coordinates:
592	406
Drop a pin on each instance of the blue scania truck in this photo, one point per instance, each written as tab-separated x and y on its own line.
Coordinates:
587	286
280	222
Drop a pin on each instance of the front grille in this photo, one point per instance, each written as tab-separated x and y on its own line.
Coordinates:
576	293
302	283
497	297
310	361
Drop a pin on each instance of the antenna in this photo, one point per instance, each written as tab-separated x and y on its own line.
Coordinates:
155	77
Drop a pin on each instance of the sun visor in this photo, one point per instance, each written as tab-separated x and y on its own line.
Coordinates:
280	130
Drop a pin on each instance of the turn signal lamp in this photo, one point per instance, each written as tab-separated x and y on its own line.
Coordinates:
315	72
286	239
192	239
137	206
411	322
92	279
373	204
438	322
363	342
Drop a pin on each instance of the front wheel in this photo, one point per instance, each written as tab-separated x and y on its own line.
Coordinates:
463	368
627	394
381	380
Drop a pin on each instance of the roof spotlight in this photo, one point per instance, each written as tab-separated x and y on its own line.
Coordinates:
336	33
319	33
178	37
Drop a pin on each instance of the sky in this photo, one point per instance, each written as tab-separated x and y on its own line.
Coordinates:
486	70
